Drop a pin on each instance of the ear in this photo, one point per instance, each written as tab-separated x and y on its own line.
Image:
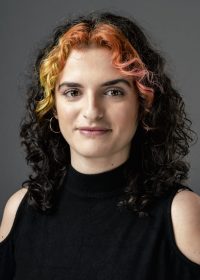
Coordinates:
55	113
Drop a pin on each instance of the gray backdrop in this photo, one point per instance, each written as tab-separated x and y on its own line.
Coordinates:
172	25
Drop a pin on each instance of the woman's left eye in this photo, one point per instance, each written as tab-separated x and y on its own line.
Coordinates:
115	92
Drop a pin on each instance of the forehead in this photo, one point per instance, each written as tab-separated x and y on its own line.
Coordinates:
90	55
90	66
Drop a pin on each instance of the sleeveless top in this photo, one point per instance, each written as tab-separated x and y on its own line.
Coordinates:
88	237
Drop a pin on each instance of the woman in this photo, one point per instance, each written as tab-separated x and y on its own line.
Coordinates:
106	135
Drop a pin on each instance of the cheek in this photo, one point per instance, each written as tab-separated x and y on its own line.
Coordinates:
127	115
64	112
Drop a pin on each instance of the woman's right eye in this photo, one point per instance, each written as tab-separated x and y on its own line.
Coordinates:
71	93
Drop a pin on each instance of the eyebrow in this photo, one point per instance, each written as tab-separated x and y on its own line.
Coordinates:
108	83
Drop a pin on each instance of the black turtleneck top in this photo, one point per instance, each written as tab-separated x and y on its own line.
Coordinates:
88	237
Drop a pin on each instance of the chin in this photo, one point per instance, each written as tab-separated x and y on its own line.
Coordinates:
91	153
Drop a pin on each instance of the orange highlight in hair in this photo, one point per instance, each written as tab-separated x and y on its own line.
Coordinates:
124	57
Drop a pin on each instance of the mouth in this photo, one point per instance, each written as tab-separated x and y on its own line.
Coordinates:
94	131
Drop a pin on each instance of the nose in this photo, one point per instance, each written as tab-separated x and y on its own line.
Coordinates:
93	107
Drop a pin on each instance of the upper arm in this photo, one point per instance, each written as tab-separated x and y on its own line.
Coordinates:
10	212
186	223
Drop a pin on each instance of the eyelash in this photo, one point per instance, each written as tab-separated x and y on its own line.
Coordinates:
112	90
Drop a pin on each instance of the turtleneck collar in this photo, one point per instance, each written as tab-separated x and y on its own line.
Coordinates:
104	184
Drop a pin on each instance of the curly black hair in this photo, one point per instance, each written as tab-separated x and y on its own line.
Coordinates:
156	163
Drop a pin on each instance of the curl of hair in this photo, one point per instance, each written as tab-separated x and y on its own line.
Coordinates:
156	163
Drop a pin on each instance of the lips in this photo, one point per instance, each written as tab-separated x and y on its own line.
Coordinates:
93	132
93	128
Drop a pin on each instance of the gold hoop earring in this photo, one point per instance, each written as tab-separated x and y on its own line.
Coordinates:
50	126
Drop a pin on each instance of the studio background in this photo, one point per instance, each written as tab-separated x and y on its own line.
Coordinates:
173	28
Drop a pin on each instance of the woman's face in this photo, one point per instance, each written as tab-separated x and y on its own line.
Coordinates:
91	93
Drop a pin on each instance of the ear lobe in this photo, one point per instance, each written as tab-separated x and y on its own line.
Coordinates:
55	113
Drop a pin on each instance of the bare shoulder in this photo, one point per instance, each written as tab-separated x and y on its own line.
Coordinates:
10	211
185	213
